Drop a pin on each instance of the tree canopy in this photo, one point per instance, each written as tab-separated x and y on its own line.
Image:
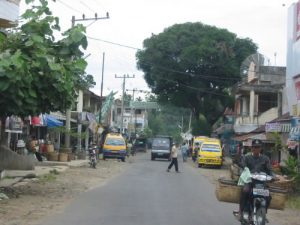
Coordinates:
37	72
194	65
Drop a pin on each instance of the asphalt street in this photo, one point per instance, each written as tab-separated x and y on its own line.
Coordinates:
145	194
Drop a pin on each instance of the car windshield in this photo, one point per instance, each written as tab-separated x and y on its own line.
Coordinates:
198	143
114	141
161	142
210	148
140	142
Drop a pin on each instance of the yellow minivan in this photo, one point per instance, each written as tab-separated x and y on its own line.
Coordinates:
197	141
210	153
114	147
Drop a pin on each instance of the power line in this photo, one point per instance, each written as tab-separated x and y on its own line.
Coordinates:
164	68
113	43
89	8
68	6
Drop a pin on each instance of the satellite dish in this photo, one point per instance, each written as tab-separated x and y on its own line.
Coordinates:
257	58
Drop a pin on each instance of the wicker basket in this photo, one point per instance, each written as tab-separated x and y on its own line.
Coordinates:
228	191
282	183
50	148
279	198
71	156
52	156
63	157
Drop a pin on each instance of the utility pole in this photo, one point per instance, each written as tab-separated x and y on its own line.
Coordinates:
68	111
132	109
101	91
125	76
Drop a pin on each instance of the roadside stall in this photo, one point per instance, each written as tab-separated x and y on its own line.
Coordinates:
14	128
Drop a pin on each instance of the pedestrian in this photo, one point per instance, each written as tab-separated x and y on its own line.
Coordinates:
34	147
195	153
184	151
174	160
56	145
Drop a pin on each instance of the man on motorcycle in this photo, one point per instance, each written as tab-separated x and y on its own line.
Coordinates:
256	162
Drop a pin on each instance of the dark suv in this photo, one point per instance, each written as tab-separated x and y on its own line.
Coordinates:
161	147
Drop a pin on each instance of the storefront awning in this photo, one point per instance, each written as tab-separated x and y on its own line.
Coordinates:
245	137
51	121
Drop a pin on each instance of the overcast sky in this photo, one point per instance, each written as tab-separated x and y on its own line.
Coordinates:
132	21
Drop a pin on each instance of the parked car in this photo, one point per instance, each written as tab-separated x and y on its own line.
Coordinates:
161	147
140	145
210	153
114	147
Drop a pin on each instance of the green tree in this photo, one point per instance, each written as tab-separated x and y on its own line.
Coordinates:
38	73
167	120
201	126
193	65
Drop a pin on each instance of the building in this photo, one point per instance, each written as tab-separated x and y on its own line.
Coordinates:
9	13
135	116
259	98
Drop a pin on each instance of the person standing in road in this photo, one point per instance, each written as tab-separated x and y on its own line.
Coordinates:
174	161
184	151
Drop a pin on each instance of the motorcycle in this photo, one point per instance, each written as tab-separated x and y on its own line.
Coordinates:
256	208
92	157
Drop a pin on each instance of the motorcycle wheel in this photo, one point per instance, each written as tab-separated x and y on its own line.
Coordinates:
94	165
260	218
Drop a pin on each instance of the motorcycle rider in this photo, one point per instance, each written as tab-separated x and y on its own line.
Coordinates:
256	162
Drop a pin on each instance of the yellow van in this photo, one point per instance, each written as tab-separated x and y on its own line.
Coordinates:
197	141
210	153
114	147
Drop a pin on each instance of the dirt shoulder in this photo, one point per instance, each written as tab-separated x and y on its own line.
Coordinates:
30	203
287	216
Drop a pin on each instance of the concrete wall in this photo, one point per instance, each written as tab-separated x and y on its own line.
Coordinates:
12	161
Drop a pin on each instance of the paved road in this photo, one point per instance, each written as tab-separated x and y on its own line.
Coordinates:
145	194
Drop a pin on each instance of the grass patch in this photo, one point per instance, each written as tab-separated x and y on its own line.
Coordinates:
54	171
47	178
9	177
294	201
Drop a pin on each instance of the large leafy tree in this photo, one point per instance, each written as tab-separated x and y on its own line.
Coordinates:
194	65
38	73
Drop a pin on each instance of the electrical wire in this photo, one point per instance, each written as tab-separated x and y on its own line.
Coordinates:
113	43
171	70
87	7
68	6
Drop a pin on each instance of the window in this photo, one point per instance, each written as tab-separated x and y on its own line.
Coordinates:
138	111
119	111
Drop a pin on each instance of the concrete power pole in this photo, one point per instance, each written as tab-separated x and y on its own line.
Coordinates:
125	76
68	111
132	109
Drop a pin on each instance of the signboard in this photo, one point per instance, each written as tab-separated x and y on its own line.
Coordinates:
273	127
143	105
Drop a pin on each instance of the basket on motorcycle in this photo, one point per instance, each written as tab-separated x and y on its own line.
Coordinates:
282	183
228	191
279	197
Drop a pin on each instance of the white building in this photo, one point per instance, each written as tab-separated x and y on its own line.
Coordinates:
293	62
9	13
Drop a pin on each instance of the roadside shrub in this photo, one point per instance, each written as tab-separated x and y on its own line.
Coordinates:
291	169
